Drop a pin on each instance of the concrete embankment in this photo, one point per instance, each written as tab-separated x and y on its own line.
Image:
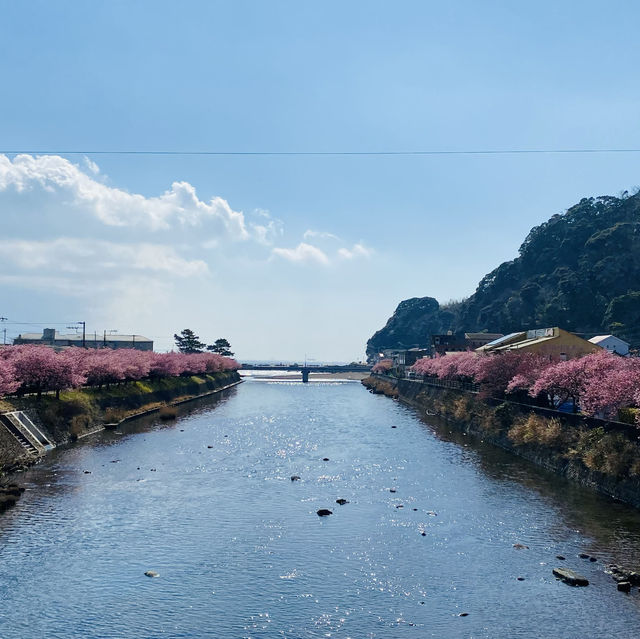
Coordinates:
80	412
604	456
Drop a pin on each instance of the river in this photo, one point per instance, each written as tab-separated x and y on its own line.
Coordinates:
207	502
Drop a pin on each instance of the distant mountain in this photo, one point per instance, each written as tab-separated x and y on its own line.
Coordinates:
579	270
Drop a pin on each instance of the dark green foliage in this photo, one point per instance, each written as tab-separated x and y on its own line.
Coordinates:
412	323
221	346
189	342
579	270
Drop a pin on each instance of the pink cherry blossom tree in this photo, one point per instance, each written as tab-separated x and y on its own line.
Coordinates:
8	382
383	366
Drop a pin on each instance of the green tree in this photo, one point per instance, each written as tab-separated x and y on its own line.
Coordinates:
221	347
188	342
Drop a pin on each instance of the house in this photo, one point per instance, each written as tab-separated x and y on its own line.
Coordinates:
455	343
409	357
612	343
51	337
554	343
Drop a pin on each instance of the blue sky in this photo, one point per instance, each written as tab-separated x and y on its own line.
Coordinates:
292	255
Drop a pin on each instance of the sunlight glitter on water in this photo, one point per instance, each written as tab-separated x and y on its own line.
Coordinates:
241	551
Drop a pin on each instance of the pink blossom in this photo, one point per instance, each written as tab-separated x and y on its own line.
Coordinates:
8	382
383	366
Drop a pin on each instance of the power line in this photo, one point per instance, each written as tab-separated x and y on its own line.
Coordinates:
37	323
326	153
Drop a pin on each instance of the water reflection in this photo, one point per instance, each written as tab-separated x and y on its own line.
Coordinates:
607	528
208	503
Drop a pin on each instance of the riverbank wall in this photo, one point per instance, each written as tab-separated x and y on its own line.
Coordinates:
83	411
601	455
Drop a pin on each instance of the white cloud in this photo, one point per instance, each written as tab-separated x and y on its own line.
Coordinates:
91	165
266	229
322	235
357	250
303	253
96	257
60	179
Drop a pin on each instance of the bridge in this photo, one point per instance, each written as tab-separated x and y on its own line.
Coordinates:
305	370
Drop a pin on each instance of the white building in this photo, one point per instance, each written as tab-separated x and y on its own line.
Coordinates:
612	343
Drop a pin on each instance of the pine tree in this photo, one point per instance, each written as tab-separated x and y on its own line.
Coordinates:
188	342
221	347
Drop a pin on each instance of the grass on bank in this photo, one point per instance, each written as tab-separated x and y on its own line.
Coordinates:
81	410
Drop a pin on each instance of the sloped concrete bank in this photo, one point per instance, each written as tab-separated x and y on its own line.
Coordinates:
81	412
599	455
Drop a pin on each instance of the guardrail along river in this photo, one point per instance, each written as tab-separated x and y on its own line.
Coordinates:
208	503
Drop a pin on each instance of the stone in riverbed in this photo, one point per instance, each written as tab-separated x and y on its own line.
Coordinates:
560	557
324	512
583	555
520	547
341	501
7	501
624	586
295	477
570	577
151	573
325	459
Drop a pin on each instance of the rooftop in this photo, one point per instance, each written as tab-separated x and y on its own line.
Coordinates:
600	338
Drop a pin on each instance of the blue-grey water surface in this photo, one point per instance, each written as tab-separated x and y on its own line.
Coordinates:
207	502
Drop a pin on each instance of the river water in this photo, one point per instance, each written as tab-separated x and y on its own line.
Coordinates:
208	503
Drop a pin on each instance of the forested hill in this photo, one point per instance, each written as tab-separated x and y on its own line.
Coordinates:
579	270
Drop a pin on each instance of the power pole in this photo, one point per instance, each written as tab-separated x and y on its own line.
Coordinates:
84	332
4	330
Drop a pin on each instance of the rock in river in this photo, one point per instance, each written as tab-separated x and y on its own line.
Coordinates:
624	586
323	512
570	577
151	573
295	477
341	501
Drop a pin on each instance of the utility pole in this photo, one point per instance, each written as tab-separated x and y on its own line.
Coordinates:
111	332
4	330
84	332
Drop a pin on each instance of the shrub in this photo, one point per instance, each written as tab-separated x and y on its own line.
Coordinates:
114	415
629	415
79	425
461	409
610	453
535	429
